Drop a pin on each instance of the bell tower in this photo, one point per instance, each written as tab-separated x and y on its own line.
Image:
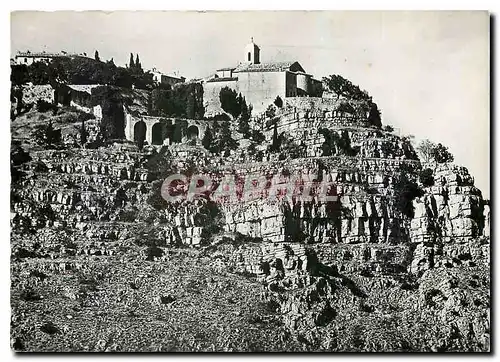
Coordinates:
252	53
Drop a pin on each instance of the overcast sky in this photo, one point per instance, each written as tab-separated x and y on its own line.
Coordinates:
428	71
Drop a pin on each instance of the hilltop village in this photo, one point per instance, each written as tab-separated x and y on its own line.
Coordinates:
260	84
398	261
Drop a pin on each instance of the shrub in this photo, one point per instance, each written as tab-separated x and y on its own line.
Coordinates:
47	136
219	138
406	190
271	111
346	108
389	128
441	154
257	136
43	106
278	102
335	144
426	177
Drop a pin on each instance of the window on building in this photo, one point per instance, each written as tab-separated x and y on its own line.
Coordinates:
249	56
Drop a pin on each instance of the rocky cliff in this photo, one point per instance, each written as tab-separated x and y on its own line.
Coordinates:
392	264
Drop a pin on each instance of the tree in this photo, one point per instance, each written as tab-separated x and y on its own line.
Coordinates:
208	139
271	111
43	106
426	177
137	62
346	107
47	136
223	141
343	87
275	146
83	133
425	149
278	102
112	124
96	56
406	190
441	154
389	128
243	124
131	62
374	116
18	157
257	136
229	101
336	84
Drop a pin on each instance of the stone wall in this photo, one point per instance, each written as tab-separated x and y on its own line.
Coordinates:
33	93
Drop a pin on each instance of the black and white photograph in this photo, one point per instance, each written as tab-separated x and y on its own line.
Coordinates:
250	181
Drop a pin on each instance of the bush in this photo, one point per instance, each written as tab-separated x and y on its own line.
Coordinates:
406	190
278	102
44	106
346	108
257	136
271	111
47	136
335	144
426	177
219	139
441	154
389	128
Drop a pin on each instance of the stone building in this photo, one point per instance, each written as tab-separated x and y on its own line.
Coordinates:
162	78
260	83
29	57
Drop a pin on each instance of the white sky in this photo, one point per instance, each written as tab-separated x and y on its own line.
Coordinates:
428	71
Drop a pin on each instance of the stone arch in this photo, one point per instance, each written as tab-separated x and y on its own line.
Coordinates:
157	133
169	130
193	132
139	133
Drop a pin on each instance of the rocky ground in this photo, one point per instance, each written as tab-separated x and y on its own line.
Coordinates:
99	264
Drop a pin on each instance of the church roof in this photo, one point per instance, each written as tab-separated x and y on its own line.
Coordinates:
293	66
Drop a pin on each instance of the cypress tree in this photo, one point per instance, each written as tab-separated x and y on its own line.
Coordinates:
131	63
208	140
137	62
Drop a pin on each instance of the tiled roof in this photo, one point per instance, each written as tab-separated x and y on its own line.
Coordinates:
225	79
266	67
87	88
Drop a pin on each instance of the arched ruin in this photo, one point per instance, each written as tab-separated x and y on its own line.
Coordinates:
157	134
160	130
139	132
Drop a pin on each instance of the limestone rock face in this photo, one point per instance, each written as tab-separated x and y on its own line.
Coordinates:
387	245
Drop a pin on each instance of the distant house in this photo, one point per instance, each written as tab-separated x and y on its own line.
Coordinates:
28	57
260	83
162	78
